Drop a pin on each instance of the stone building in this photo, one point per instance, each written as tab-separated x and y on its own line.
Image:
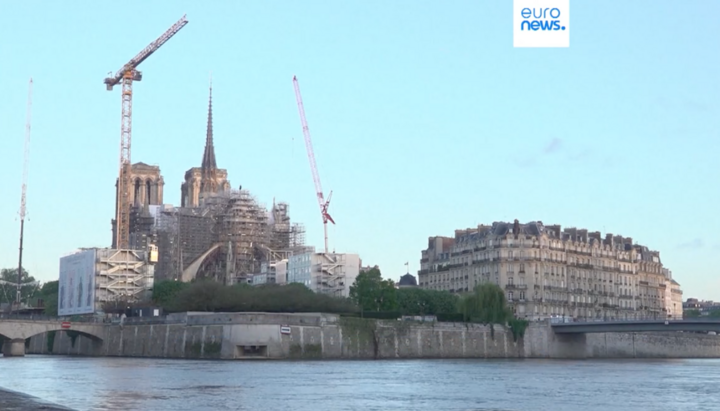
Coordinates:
147	190
200	182
546	271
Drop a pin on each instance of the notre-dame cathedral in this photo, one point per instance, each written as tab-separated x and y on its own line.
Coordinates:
206	179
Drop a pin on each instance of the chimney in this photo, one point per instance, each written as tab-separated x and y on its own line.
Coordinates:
583	234
609	240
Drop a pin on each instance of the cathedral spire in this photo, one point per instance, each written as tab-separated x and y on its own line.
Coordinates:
208	162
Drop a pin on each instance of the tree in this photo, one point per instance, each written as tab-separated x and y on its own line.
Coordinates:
691	313
487	305
165	292
371	293
714	313
418	301
8	285
207	295
49	295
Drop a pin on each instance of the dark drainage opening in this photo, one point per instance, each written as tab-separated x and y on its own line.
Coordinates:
251	351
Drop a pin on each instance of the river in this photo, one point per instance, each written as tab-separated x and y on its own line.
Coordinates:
477	385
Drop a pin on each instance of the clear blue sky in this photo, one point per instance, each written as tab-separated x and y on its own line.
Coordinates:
424	118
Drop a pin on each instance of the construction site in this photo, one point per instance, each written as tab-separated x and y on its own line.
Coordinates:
217	232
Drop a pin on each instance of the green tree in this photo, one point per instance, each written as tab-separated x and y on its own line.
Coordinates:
371	293
486	305
211	296
8	285
165	292
48	293
443	302
418	301
715	313
691	313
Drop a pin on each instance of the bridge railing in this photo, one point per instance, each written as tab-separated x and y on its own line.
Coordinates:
562	320
89	319
28	317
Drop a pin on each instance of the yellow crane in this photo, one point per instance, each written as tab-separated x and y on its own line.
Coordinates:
126	75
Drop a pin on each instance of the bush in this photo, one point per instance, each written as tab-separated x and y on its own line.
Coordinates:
212	296
518	326
451	317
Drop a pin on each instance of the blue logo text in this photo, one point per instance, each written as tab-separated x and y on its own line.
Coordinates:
541	19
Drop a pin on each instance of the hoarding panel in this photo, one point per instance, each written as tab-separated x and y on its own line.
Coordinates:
77	283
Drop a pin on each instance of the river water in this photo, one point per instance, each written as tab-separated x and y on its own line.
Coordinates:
477	385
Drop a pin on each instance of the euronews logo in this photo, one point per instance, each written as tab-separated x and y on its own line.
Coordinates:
541	19
541	23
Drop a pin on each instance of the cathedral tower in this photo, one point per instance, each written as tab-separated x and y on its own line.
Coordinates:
203	181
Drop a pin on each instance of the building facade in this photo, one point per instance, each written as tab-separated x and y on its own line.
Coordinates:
147	190
546	271
330	273
673	296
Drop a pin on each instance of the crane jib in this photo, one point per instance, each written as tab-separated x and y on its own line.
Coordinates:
146	52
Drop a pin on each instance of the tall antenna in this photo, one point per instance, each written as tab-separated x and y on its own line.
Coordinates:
23	197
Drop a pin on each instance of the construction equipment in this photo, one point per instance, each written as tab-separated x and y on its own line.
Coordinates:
23	199
313	167
127	74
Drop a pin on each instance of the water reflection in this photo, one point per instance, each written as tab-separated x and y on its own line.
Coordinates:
487	385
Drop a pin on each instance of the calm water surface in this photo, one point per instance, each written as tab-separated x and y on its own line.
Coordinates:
153	384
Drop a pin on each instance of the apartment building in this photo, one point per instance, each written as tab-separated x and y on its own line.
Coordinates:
546	271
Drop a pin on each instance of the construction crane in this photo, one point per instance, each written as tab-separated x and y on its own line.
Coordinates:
127	74
313	167
23	196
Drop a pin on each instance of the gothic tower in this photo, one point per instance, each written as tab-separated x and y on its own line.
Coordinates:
201	182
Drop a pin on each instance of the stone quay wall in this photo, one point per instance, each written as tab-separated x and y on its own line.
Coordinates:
327	336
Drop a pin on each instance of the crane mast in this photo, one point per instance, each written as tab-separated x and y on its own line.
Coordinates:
324	204
23	196
126	75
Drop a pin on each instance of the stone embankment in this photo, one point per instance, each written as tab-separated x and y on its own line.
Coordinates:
327	336
16	401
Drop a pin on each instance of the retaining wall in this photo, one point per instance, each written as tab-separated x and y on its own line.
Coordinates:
258	335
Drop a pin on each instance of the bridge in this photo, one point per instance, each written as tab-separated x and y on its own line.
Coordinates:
631	326
14	330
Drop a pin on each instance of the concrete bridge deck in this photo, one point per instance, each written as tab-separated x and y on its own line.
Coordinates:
688	325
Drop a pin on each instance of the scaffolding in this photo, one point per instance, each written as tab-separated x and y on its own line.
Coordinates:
282	234
228	238
242	225
122	275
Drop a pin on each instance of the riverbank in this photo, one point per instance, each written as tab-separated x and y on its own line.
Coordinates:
17	401
230	336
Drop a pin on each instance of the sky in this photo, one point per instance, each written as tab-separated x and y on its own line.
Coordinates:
424	120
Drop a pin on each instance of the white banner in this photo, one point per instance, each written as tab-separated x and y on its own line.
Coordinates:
77	283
